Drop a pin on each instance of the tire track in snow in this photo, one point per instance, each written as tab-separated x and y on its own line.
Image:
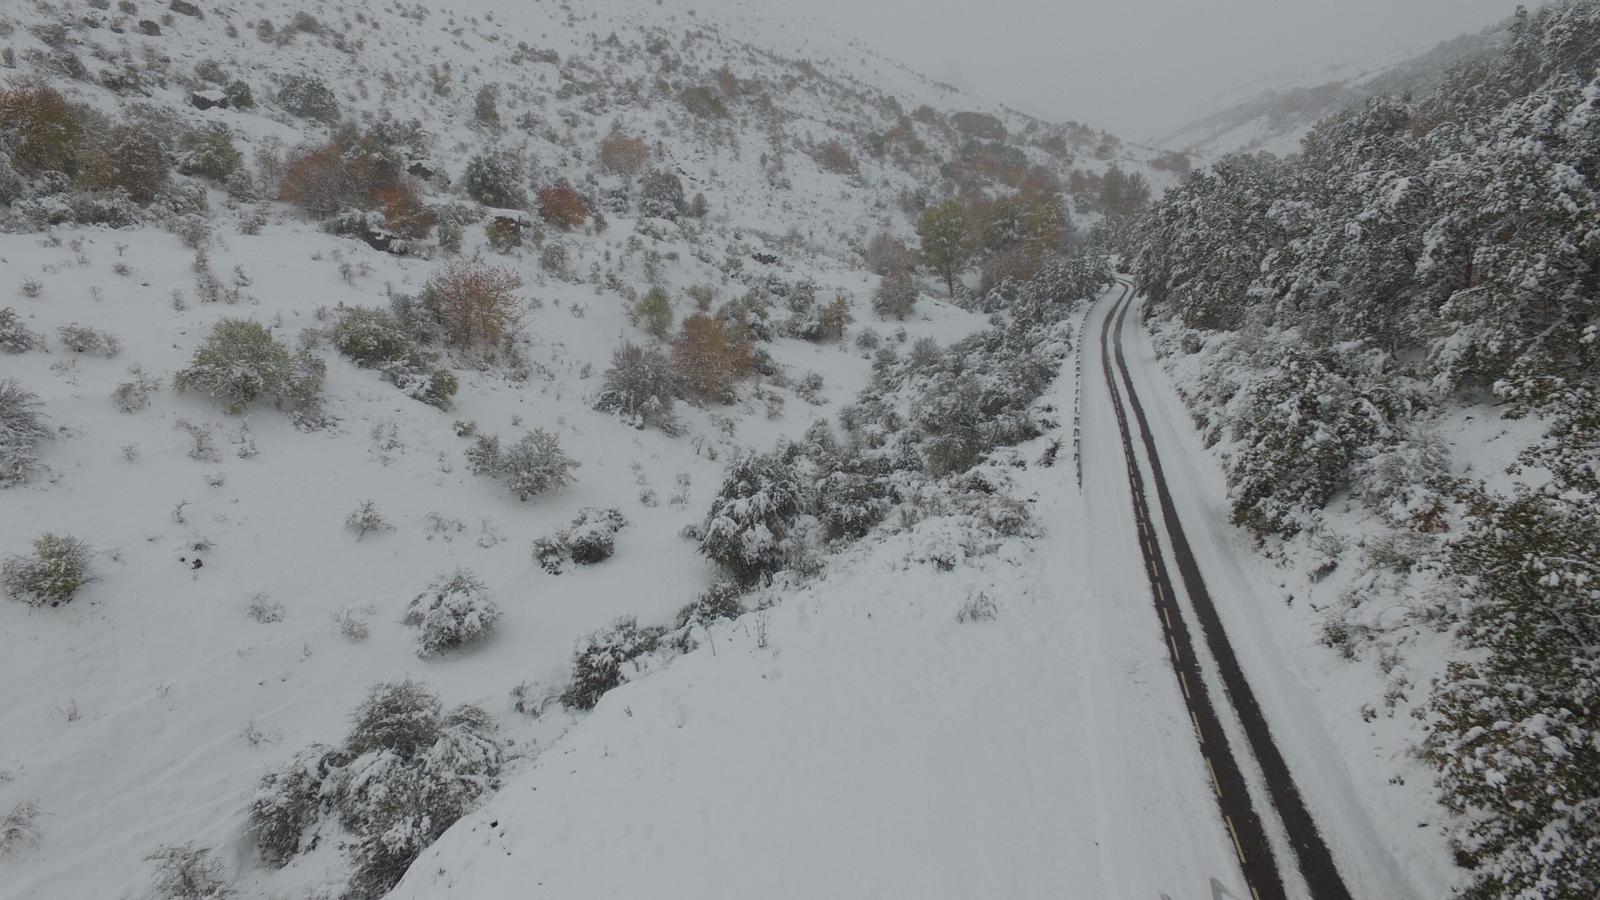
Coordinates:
1314	860
1239	817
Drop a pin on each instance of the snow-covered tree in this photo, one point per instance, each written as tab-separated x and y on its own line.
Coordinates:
641	387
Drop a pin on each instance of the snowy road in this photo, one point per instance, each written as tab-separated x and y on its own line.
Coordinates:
1237	663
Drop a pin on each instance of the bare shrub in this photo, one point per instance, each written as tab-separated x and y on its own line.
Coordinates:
474	304
134	394
83	339
22	430
188	872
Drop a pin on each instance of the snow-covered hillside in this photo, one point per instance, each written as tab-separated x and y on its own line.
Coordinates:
244	599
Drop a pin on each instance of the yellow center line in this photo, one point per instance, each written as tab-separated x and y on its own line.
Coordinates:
1238	847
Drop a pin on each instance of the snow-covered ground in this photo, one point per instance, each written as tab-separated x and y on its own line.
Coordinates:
853	738
857	740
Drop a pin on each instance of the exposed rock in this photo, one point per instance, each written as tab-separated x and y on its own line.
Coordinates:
209	99
148	27
184	8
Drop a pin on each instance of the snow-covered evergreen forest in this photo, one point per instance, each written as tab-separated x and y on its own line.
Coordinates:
1420	259
564	449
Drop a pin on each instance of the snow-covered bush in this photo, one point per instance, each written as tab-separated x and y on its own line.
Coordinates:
641	387
188	872
14	336
453	612
979	607
495	179
209	153
133	395
532	465
1407	483
19	829
241	362
896	295
22	429
406	773
130	157
661	196
590	539
605	661
886	253
83	339
401	804
308	98
376	339
853	498
366	519
1516	731
653	313
402	717
55	572
752	513
1303	430
719	602
288	801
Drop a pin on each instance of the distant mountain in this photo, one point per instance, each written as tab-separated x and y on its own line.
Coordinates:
1273	113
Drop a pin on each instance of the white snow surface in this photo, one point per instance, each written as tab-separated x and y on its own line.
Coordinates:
853	739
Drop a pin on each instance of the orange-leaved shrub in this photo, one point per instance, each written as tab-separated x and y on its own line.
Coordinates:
350	170
562	206
621	154
710	359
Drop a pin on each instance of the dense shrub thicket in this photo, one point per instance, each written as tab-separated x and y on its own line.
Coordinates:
934	414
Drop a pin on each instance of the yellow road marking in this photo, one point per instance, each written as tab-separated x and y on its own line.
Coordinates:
1238	847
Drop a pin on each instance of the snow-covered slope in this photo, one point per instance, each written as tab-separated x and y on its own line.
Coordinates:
235	618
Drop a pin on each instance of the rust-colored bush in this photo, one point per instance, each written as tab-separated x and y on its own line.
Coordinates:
835	157
349	170
621	154
474	304
44	129
709	359
317	181
561	206
404	212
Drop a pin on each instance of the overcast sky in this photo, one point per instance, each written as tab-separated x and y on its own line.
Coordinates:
1139	67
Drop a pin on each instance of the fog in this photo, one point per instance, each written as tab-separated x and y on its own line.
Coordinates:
1140	68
